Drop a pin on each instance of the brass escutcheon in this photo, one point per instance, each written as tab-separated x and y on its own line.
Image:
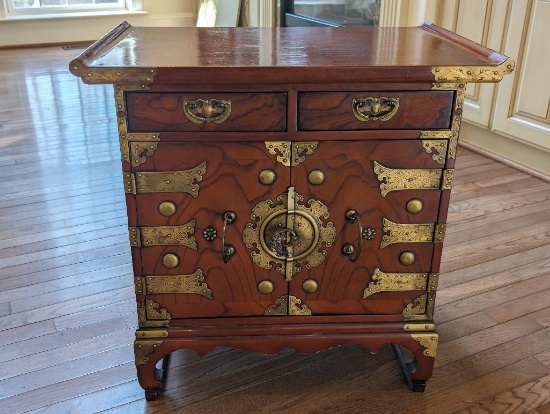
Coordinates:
316	177
407	258
415	206
265	286
310	286
170	260
167	208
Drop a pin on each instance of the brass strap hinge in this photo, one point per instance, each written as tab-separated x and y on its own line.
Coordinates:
411	233
164	236
396	179
447	180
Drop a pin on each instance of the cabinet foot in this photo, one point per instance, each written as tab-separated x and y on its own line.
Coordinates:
409	367
151	395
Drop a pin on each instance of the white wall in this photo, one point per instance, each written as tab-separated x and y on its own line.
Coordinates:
15	32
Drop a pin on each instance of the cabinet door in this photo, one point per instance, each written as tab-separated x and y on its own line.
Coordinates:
394	189
183	192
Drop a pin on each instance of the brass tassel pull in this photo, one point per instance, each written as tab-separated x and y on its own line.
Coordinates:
349	249
228	250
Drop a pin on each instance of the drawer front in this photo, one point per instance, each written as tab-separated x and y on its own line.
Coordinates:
212	112
326	111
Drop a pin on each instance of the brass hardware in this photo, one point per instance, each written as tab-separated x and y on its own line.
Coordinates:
406	179
369	233
165	182
415	206
417	307
267	177
407	258
287	233
350	250
207	110
419	327
395	282
316	177
408	233
374	109
290	154
139	284
144	322
438	148
310	286
439	235
154	311
288	305
265	287
228	250
433	278
167	208
466	74
143	348
428	341
170	260
447	182
157	333
209	234
460	92
137	150
193	283
164	236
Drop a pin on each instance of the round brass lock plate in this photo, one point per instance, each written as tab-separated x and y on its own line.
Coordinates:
265	286
170	260
167	208
310	286
415	206
407	258
284	229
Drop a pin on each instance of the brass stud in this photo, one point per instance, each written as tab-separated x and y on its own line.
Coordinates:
407	258
170	260
167	208
310	286
265	286
415	206
267	177
316	177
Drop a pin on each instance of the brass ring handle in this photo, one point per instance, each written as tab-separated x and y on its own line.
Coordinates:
349	249
228	250
374	109
207	110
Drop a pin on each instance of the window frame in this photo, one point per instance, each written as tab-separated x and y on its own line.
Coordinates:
38	10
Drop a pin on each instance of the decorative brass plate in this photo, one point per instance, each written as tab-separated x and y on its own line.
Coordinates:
386	282
467	74
192	284
290	154
287	305
438	149
406	179
428	341
288	233
207	110
144	347
185	181
154	311
164	236
410	233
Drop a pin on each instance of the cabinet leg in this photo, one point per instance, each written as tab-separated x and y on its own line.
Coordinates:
151	395
409	367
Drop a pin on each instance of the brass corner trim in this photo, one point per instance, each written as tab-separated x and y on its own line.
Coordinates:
151	334
287	305
143	76
294	307
428	341
154	311
417	306
473	73
279	308
418	327
290	154
140	150
438	149
143	348
447	180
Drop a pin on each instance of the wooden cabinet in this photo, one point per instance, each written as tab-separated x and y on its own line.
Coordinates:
287	187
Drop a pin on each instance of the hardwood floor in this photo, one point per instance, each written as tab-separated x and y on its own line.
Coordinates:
67	312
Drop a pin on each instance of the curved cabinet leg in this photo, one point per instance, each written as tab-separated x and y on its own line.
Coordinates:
148	353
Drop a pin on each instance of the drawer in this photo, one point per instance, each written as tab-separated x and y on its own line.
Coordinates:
326	111
214	112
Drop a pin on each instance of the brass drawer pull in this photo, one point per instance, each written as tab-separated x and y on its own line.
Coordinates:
207	110
228	250
374	109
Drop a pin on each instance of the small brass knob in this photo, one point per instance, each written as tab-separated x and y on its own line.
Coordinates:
316	177
267	177
265	286
407	258
167	208
415	206
310	286
170	260
348	249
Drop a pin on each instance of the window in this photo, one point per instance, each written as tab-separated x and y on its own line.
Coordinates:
20	7
331	12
